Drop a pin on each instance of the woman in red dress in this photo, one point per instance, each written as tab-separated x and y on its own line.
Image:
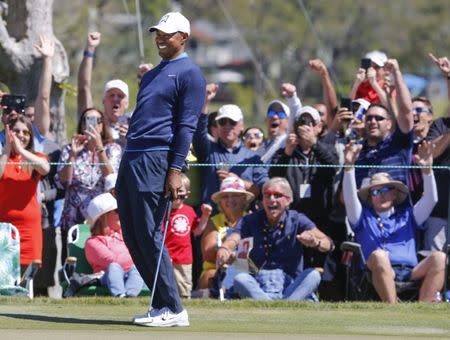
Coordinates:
20	171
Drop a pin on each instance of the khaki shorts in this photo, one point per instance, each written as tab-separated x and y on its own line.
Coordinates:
183	276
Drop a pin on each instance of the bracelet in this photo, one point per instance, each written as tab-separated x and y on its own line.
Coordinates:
100	150
448	76
88	54
318	244
222	247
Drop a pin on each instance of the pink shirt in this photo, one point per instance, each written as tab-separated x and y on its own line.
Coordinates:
101	251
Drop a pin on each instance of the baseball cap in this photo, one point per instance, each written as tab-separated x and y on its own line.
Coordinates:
283	105
99	206
311	111
172	22
361	101
116	84
230	111
377	57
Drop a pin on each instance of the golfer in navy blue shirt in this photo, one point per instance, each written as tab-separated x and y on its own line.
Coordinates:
169	102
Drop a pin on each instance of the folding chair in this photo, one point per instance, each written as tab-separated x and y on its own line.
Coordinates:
10	279
358	284
76	262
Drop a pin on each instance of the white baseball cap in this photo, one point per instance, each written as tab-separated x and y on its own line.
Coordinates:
172	22
99	206
230	111
110	181
309	110
377	57
116	84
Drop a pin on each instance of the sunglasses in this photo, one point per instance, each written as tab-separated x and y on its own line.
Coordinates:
26	133
225	121
377	118
275	194
257	135
382	191
419	110
272	114
8	109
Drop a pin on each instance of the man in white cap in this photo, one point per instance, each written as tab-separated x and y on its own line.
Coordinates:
115	93
229	149
169	101
369	82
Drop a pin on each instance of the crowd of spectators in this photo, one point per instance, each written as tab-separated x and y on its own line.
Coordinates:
314	176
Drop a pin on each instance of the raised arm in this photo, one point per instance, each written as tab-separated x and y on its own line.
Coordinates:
405	117
423	208
329	93
289	91
42	105
359	79
444	66
84	95
353	207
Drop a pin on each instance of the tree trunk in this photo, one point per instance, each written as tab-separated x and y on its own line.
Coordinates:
21	66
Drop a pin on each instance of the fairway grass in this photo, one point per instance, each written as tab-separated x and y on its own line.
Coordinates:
109	318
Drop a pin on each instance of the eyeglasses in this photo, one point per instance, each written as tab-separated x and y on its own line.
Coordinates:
275	194
225	121
382	191
272	114
257	135
419	110
26	133
377	118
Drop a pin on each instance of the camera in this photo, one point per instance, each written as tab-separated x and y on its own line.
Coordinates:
12	102
366	63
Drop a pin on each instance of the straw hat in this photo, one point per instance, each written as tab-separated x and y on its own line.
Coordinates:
232	185
99	206
384	179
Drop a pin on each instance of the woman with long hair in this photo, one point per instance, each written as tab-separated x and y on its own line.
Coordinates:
20	171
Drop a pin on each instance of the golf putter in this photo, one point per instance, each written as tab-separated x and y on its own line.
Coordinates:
167	212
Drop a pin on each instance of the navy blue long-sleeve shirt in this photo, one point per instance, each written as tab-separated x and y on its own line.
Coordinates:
169	102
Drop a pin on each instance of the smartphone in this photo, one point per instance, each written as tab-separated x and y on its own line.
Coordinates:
91	121
346	102
366	63
13	102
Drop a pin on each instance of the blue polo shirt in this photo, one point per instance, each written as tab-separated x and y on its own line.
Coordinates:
218	154
395	149
276	247
395	234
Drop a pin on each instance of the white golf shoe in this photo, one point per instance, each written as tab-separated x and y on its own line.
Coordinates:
163	317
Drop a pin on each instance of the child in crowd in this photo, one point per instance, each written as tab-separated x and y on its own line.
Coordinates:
182	222
106	251
253	138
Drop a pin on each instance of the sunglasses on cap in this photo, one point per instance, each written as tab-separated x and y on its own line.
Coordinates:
382	191
377	118
225	121
275	194
8	109
419	110
272	114
257	135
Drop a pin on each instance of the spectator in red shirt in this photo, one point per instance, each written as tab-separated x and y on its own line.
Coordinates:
182	222
369	83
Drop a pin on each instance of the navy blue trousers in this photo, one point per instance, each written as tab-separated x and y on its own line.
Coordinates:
141	203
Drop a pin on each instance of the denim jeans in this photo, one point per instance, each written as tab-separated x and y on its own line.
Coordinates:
301	288
121	283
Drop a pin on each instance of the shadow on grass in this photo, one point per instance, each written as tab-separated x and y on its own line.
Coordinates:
45	318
